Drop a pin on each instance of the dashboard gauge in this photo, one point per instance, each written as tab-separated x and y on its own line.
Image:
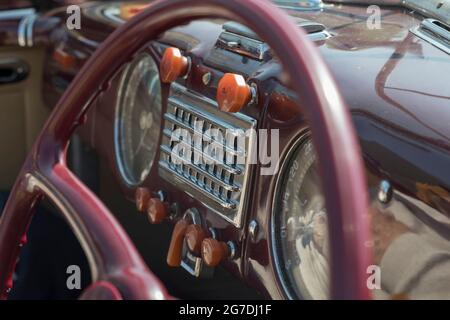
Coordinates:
138	119
300	229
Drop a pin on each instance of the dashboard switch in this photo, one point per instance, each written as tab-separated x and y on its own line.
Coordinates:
233	93
157	210
142	197
214	251
194	238
173	65
176	244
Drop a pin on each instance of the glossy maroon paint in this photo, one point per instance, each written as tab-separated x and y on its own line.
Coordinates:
402	129
331	126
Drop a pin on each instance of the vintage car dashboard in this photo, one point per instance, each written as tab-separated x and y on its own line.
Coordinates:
380	72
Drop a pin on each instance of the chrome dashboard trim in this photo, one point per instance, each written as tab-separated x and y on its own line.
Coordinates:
200	115
187	184
431	31
220	186
16	13
25	30
224	166
243	45
238	38
113	14
311	5
439	9
118	108
280	276
228	187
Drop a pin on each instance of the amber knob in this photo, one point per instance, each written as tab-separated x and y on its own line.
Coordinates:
176	244
213	251
142	197
173	65
233	93
127	11
157	210
194	238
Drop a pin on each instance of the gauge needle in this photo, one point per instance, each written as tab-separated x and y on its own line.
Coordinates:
145	124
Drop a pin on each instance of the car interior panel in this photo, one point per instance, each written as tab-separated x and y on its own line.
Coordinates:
225	149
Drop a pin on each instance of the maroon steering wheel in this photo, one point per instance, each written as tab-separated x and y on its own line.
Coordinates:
117	268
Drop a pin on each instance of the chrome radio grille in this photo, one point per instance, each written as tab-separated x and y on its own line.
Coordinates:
219	181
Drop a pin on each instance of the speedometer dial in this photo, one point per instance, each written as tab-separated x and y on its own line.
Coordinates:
138	119
300	228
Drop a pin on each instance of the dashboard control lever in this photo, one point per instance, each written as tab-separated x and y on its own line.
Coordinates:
157	210
173	65
214	252
233	93
176	243
194	238
142	197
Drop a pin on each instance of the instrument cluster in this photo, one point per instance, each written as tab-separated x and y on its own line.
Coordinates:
298	224
138	119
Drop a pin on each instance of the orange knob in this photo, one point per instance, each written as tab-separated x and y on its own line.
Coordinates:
130	10
233	93
176	244
142	197
213	251
157	210
173	65
194	238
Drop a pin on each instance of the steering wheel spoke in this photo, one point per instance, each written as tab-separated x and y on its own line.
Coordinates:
111	255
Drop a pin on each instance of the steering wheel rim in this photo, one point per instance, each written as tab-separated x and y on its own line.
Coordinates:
108	248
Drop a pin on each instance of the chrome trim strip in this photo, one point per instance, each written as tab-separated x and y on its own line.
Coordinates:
113	14
25	30
16	13
21	32
280	273
179	104
211	103
243	45
434	34
223	204
222	165
29	31
255	48
171	118
220	187
230	187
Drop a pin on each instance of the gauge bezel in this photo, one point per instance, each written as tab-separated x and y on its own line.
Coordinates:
288	289
118	152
